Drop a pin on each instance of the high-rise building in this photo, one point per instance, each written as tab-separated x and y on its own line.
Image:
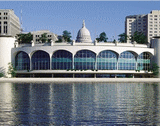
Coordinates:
9	22
148	24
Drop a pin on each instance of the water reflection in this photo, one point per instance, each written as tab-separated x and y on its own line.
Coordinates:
79	104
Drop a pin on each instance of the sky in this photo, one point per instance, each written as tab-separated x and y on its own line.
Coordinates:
99	16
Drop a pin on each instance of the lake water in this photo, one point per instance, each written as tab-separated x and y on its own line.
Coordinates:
79	104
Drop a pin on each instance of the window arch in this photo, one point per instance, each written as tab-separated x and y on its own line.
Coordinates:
22	61
84	59
127	61
40	60
62	60
107	60
144	61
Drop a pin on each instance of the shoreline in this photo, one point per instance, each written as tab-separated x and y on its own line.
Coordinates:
79	80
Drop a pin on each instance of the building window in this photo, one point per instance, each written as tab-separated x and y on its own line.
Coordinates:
107	60
150	31
150	34
130	20
40	61
62	60
22	61
143	61
150	15
127	61
155	31
85	60
151	22
155	19
155	15
150	25
155	25
150	18
5	27
155	28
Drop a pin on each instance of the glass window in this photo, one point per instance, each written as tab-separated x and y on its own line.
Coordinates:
144	61
40	61
62	60
107	60
22	61
84	60
126	61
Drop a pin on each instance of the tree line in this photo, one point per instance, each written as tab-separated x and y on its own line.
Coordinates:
139	37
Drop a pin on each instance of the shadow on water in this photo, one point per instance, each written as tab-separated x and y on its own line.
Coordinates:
79	104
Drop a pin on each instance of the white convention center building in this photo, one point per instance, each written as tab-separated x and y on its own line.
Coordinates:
83	58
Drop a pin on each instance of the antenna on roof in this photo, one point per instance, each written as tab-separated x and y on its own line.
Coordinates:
73	34
21	20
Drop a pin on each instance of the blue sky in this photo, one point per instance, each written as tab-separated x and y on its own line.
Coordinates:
99	16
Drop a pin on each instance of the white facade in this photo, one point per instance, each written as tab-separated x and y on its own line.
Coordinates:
6	44
9	23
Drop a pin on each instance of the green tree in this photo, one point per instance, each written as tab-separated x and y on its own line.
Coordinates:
59	40
43	38
155	69
24	38
139	37
67	36
102	37
11	70
123	38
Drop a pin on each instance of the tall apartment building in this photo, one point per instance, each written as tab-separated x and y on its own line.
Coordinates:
149	24
9	22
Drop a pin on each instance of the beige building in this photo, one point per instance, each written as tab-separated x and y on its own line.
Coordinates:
37	35
9	22
149	24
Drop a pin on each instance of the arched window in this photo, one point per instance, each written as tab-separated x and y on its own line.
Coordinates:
144	61
22	61
84	60
107	60
62	60
40	61
127	61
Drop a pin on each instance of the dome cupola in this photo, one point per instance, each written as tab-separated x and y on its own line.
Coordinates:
83	34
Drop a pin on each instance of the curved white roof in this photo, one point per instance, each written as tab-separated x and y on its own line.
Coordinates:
83	35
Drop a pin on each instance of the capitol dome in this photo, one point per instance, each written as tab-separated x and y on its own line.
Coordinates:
83	35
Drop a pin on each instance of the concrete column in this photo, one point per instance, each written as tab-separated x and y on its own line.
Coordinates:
52	75
72	61
73	75
96	62
94	75
30	62
51	62
156	45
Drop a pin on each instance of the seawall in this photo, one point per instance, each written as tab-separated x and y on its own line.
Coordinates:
79	80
